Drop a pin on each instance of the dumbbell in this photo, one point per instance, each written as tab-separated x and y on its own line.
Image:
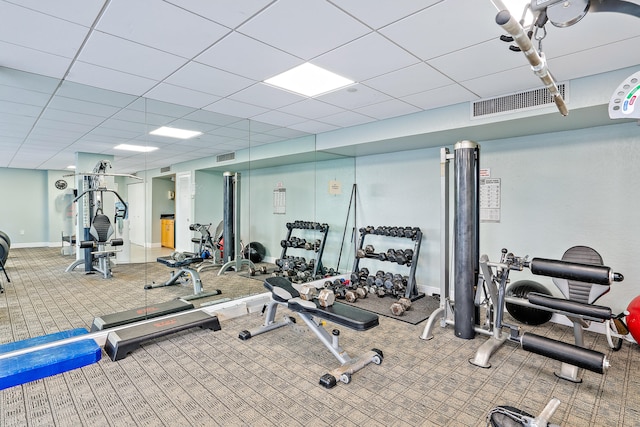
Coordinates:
367	252
326	297
399	307
254	271
391	255
308	292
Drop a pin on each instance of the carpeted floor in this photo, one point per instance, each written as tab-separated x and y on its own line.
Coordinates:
206	378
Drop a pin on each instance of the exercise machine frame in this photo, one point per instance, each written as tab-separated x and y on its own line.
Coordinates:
470	282
232	251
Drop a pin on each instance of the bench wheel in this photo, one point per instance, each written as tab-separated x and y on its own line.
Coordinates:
377	359
345	378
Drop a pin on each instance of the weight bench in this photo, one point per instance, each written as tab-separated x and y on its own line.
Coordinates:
284	293
183	266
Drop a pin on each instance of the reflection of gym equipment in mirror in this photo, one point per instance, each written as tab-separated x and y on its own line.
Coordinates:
97	228
479	283
232	251
183	272
209	246
5	245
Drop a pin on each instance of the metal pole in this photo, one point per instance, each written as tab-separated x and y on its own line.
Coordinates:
228	217
465	238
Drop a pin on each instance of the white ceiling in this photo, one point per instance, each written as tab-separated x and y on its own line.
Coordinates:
86	75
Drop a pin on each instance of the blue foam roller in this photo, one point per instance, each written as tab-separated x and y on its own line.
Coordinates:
49	361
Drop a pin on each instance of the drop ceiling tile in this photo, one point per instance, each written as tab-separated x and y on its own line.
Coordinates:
595	60
595	29
70	89
8	132
44	123
29	97
440	97
145	22
154	106
301	27
350	99
129	57
207	79
193	125
230	13
384	12
25	80
313	126
311	109
257	61
362	59
214	118
33	61
71	117
82	12
266	96
183	96
105	78
441	28
235	108
35	30
456	65
279	118
413	79
15	108
503	83
80	106
387	109
112	123
348	118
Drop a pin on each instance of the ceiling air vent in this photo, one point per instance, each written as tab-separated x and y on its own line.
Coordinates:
520	101
165	169
225	157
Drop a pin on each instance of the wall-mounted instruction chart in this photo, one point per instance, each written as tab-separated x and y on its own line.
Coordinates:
490	200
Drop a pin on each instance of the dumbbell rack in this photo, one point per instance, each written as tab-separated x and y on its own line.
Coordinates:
411	290
323	229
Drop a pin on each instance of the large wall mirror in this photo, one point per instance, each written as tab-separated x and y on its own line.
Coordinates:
175	194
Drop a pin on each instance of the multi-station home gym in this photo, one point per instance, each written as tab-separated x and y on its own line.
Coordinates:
321	212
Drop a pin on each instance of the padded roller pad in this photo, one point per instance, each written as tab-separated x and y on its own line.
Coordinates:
46	362
567	306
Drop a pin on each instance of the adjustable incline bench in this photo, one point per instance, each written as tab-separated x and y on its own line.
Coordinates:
284	293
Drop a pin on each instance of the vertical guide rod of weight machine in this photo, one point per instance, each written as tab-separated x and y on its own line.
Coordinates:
466	237
231	224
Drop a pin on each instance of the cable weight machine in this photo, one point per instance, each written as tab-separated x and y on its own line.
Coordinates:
232	252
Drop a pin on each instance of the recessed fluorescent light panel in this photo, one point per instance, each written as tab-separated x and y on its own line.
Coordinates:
309	80
175	132
139	148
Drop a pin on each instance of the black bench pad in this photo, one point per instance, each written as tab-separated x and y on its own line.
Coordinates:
170	262
342	314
